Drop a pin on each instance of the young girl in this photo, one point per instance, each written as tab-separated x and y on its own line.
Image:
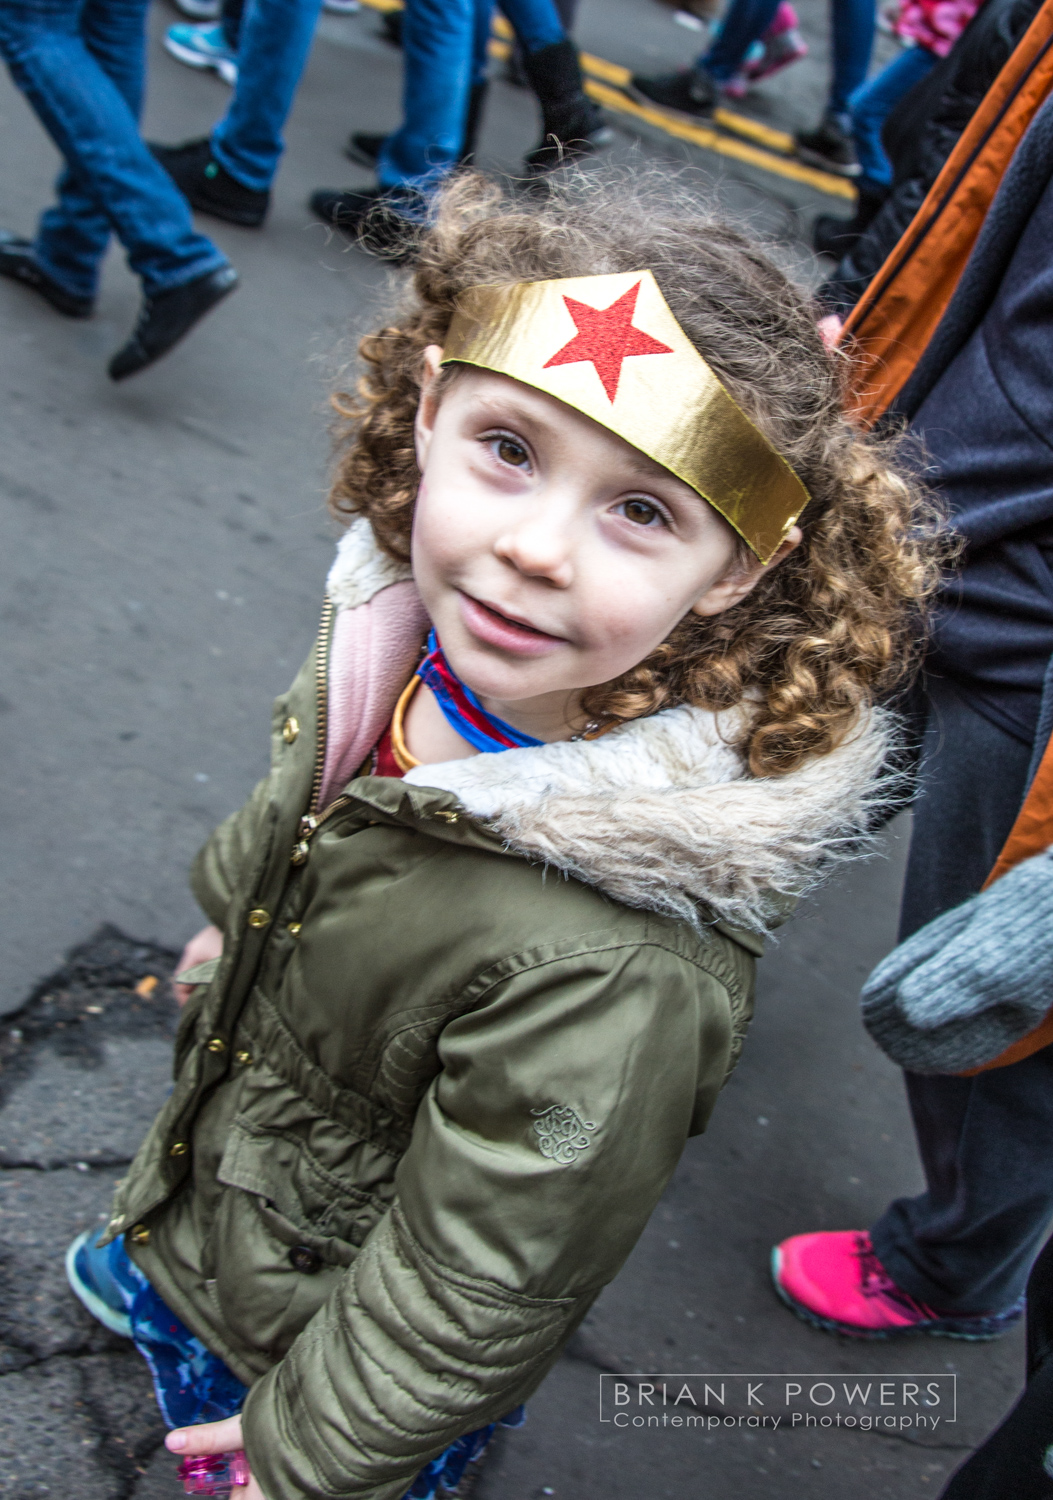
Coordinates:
591	703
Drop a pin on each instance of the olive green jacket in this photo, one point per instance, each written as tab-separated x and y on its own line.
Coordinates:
462	1027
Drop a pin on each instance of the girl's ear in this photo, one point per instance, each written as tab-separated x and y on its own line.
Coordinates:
742	577
428	405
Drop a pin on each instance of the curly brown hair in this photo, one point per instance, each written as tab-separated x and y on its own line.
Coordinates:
821	635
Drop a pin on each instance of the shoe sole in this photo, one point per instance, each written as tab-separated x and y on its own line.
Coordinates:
244	220
945	1329
816	159
193	59
118	1323
693	117
361	158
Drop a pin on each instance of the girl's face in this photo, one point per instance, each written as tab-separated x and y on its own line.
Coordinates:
551	555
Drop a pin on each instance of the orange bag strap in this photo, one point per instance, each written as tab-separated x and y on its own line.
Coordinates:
897	315
1030	834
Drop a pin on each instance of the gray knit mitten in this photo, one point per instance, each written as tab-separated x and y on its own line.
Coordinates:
963	988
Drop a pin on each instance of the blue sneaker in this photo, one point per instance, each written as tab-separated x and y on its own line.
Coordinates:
203	47
101	1281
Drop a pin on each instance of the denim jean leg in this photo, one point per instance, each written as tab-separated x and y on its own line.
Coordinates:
438	50
853	26
77	63
72	236
744	22
273	47
536	23
873	102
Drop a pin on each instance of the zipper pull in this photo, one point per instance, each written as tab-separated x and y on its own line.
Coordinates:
308	824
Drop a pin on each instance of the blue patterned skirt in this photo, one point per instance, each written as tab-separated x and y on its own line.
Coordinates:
193	1385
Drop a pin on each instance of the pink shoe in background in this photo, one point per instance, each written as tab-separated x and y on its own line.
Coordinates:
835	1282
779	46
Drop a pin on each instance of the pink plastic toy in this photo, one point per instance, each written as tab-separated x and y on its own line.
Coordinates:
214	1473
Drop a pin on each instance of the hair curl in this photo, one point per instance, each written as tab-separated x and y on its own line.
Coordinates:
821	635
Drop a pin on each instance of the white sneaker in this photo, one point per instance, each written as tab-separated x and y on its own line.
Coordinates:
199	10
340	7
203	47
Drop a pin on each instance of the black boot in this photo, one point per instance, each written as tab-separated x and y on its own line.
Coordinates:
168	317
571	125
384	221
836	237
208	186
18	263
476	103
364	147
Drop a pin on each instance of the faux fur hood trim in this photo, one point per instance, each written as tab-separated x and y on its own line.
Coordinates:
662	814
360	570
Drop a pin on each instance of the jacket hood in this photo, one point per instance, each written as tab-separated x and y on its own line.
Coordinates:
661	813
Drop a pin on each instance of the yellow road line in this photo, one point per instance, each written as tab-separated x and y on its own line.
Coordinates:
720	144
600	73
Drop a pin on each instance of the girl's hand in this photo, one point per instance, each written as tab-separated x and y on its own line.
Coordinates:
830	329
213	1437
208	943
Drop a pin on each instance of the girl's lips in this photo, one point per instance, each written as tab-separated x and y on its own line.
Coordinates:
495	629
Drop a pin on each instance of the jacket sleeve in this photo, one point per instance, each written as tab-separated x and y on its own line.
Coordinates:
966	986
537	1156
215	871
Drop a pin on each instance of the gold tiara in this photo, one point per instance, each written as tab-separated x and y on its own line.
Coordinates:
610	347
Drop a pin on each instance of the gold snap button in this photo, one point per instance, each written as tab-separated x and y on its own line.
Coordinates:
139	1235
293	929
178	1148
290	729
216	1044
243	1057
448	817
259	918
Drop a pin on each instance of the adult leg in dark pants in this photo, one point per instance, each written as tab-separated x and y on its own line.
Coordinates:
967	1243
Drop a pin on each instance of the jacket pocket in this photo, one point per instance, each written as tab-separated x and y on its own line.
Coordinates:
284	1232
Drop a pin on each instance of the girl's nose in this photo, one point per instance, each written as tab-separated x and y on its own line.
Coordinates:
539	547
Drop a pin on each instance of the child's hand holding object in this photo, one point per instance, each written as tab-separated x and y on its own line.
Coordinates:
213	1437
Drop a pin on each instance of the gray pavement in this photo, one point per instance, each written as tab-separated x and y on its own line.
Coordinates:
162	550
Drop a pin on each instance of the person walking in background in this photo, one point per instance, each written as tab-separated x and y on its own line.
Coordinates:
228	173
930	28
956	1258
720	70
215	45
445	46
80	64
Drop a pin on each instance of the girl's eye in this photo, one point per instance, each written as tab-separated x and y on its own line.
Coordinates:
641	512
511	452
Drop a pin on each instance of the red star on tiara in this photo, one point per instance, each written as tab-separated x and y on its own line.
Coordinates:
606	336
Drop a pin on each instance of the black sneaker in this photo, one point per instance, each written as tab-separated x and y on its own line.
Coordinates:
380	219
829	147
690	92
364	148
168	317
209	187
17	263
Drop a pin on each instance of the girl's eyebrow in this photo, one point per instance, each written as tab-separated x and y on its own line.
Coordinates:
508	408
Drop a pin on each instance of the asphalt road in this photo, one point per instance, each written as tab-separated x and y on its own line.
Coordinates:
162	551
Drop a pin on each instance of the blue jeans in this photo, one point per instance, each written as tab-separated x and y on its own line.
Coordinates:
872	103
80	65
444	46
747	20
274	42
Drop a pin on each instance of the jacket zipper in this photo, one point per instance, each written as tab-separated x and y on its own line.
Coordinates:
313	819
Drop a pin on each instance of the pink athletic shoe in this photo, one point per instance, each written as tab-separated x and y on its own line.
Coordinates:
835	1282
782	44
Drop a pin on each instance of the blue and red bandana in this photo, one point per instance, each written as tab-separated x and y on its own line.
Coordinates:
462	709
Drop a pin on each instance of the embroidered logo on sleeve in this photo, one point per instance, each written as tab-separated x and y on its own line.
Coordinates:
561	1133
